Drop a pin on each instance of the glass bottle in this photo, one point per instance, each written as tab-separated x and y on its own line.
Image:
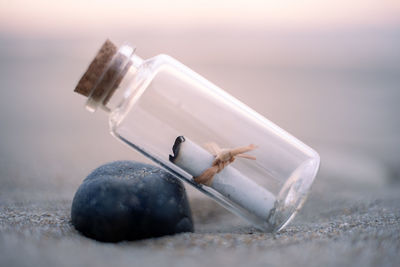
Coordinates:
191	127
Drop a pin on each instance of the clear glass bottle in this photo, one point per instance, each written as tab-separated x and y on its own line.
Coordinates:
162	108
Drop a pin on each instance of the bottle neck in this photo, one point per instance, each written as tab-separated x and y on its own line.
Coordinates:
107	91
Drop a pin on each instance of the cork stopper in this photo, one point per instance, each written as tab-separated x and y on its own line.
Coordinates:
104	75
96	69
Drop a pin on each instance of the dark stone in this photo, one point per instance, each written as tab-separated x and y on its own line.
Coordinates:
127	200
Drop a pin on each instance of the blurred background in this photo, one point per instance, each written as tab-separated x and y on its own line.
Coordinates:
326	71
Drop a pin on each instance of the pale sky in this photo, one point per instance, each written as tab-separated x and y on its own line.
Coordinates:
49	16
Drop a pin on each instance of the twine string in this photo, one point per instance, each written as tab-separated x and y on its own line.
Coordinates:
223	158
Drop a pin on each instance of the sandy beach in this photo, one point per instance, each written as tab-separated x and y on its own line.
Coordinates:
360	226
336	90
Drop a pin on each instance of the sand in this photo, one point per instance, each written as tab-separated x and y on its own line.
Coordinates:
347	227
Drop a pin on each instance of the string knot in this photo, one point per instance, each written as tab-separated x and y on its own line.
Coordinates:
223	157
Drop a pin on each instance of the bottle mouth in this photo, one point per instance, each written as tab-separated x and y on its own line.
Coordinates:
104	74
110	79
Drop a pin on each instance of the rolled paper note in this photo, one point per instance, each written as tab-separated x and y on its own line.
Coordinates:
229	182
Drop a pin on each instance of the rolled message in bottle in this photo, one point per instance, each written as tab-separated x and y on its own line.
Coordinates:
229	181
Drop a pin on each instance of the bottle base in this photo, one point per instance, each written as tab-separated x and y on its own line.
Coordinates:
293	195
